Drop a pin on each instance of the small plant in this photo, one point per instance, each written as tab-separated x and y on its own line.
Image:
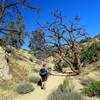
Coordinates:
24	88
87	91
63	86
65	95
7	85
93	89
34	79
35	70
2	42
91	54
87	82
59	66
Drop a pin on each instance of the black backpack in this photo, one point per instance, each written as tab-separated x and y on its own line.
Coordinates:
43	72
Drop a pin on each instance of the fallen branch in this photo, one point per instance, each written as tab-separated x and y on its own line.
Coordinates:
64	74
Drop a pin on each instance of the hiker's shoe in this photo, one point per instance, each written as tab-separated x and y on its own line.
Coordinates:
43	87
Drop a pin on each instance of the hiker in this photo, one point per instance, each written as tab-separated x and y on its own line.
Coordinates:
44	75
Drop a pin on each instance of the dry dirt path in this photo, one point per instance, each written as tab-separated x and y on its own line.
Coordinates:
52	84
39	94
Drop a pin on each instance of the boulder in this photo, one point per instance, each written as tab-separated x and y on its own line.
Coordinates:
4	68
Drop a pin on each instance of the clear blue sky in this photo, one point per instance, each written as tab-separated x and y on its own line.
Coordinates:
87	10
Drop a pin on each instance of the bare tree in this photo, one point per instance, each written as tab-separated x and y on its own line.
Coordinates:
64	37
10	10
11	17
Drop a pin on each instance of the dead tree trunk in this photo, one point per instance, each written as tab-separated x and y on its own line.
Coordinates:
77	62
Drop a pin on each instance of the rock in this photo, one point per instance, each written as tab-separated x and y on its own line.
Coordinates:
4	68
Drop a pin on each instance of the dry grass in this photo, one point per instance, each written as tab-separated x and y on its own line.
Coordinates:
18	72
7	88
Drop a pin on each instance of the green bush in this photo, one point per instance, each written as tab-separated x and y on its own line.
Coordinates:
42	54
65	92
63	86
96	45
34	79
91	54
24	88
65	95
87	91
93	89
2	43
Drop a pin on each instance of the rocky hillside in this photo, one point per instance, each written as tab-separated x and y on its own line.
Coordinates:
88	42
12	58
17	65
15	68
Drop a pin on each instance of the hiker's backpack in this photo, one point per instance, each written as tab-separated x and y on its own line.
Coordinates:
43	72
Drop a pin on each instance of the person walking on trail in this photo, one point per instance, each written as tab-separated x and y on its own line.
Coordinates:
44	75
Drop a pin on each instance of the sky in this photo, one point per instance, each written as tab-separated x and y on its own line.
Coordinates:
87	10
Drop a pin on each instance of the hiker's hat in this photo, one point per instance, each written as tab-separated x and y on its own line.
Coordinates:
44	65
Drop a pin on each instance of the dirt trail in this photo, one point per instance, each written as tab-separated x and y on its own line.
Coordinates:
39	94
52	84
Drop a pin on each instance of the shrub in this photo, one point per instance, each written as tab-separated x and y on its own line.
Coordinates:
19	73
65	92
65	95
93	89
35	70
87	91
91	54
59	65
63	86
87	82
2	43
7	84
24	88
34	79
41	54
96	45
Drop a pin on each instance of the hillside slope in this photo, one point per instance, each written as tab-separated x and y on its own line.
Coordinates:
17	65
